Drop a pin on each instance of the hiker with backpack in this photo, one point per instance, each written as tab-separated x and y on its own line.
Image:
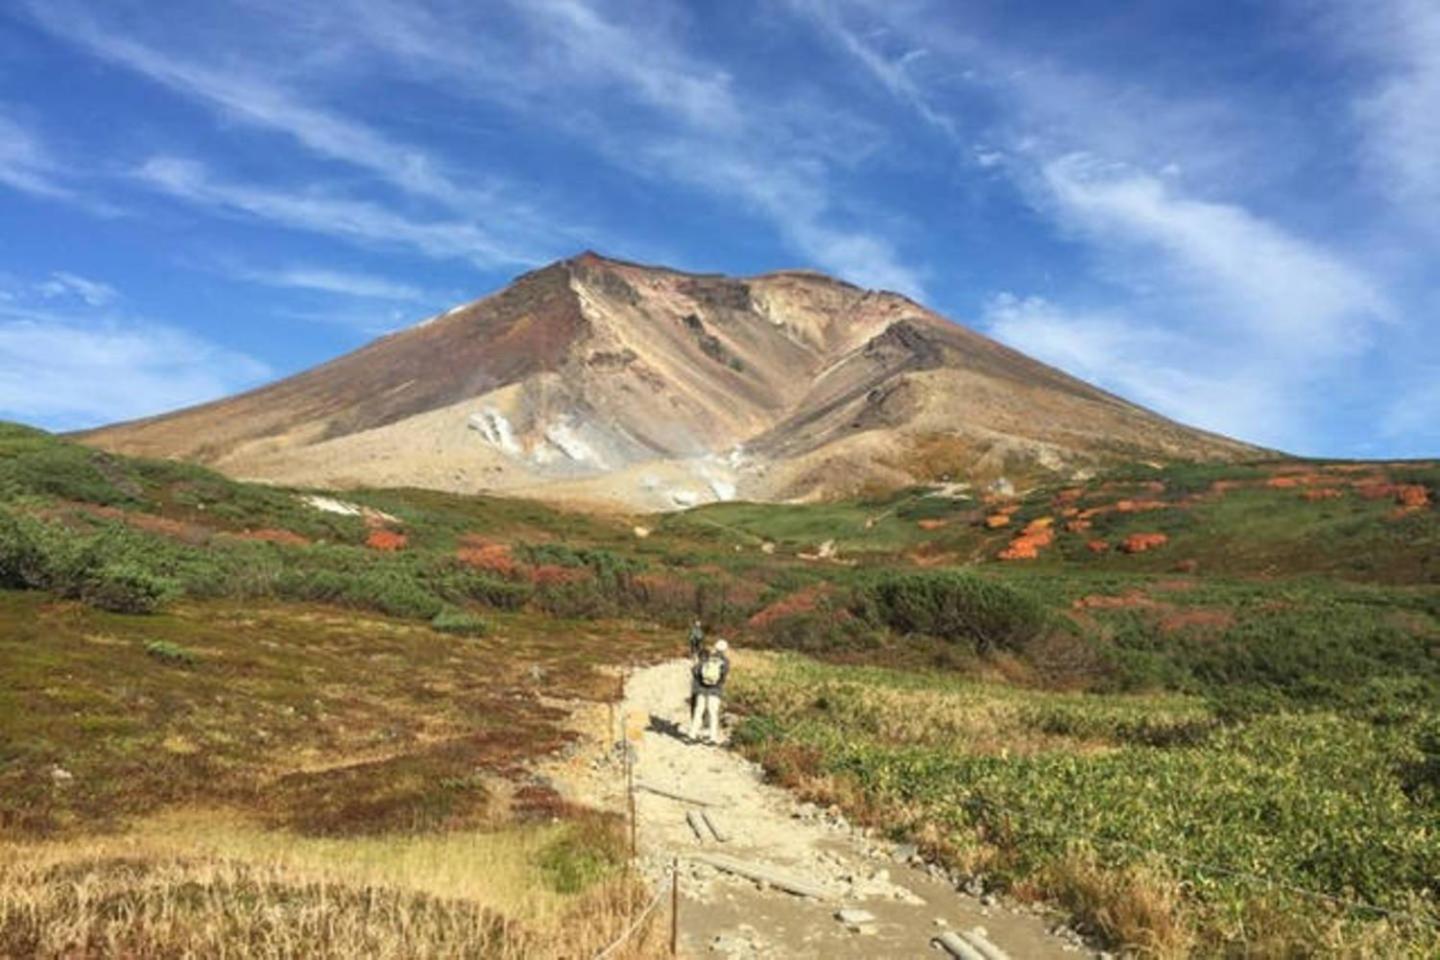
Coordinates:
707	686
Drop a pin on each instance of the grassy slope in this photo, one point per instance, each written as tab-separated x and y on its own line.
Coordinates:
1035	791
331	719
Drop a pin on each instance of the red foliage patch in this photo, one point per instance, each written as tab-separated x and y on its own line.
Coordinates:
1140	542
1077	526
387	540
1139	506
1130	599
1196	617
271	535
552	574
1412	496
997	520
1029	543
804	600
932	524
493	558
1097	546
1321	493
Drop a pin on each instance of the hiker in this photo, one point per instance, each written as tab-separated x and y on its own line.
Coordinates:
707	686
697	640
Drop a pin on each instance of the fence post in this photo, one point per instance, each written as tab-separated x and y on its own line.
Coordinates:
630	787
675	907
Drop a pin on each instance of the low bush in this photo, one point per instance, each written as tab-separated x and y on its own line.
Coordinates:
126	588
171	653
462	623
954	606
390	591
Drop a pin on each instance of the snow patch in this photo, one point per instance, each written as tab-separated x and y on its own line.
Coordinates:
331	505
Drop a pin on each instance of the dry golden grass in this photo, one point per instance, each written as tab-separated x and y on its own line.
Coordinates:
1138	906
202	884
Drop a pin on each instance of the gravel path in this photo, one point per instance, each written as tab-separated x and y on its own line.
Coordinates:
894	905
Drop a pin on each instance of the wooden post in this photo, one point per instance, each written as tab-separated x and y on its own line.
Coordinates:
630	788
675	907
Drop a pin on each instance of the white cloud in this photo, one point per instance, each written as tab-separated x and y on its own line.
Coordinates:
63	284
1288	294
1182	376
359	285
696	126
62	374
317	212
26	165
1399	115
1224	318
1414	414
249	98
892	72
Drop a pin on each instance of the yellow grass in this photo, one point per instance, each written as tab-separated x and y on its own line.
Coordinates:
203	884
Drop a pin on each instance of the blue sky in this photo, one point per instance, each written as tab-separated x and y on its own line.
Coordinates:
1228	212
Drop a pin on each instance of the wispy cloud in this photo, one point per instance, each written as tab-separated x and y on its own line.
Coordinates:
64	284
893	72
690	124
1399	110
1224	318
1179	374
66	369
322	213
25	163
343	283
1260	280
247	96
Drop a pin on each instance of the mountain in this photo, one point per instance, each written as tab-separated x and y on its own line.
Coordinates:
598	380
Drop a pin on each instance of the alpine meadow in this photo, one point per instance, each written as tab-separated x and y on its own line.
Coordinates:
624	479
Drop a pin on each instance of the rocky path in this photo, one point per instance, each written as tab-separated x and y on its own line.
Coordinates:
879	900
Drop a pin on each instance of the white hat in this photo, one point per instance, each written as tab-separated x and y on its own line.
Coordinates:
721	646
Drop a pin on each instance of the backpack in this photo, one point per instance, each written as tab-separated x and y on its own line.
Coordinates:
712	668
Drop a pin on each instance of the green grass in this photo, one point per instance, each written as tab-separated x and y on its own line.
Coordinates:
1231	813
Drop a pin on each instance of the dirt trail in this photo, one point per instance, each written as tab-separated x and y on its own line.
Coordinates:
722	915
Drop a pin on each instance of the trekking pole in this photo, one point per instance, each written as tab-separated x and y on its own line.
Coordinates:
675	907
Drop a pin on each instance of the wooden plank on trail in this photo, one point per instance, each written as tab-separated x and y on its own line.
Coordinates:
712	821
763	873
958	948
677	795
693	817
982	946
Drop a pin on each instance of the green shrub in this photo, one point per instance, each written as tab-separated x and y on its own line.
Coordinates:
576	860
167	652
954	606
66	471
462	623
125	588
391	591
22	559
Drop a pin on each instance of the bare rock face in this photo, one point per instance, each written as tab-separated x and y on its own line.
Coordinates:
601	381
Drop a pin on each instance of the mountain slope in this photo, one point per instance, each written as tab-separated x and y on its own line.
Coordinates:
601	380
